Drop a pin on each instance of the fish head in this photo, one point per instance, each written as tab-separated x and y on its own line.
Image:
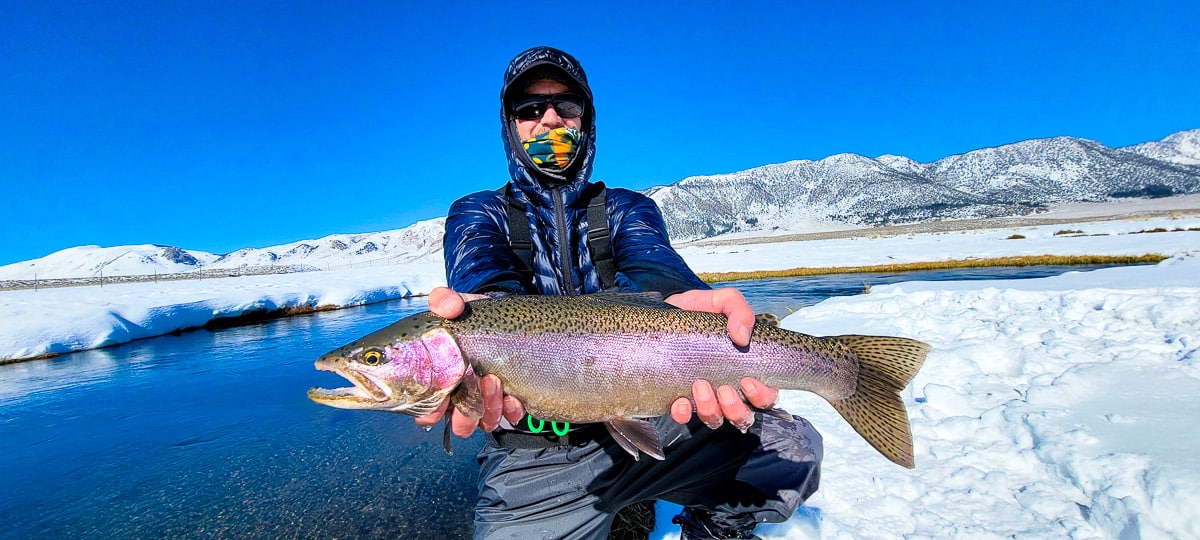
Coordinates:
409	367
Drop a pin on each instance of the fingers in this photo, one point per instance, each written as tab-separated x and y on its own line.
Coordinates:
434	417
446	303
462	424
734	409
493	402
707	407
727	302
733	305
758	394
513	410
495	405
725	404
681	410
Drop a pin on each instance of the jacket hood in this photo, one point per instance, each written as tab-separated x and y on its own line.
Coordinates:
532	181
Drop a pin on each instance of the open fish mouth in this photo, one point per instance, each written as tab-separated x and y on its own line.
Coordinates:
365	392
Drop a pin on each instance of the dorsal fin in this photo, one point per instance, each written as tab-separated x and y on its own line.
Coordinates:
766	319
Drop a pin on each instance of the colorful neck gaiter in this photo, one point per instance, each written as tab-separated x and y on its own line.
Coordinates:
554	149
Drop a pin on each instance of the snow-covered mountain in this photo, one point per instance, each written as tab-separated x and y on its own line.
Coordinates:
418	242
96	261
849	190
838	192
1182	148
414	243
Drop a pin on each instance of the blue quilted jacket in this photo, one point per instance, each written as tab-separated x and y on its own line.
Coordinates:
478	255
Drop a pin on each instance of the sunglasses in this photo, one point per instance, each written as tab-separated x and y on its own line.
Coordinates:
533	107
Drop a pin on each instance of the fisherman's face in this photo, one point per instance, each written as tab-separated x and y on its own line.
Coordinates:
527	129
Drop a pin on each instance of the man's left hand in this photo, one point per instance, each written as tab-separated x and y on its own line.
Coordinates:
713	408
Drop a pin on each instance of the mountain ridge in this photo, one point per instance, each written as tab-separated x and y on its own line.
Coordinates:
841	191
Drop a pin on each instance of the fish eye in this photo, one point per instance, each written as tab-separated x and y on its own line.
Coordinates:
372	357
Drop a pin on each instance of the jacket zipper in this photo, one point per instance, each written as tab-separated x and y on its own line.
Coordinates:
564	258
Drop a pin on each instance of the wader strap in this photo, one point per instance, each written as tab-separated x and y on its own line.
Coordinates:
600	238
599	235
518	234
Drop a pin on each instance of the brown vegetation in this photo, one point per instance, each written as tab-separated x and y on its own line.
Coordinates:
1027	260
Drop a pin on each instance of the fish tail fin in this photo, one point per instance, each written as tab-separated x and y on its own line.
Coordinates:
875	410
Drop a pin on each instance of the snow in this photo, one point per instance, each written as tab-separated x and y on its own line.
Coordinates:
91	261
1095	238
58	320
1048	408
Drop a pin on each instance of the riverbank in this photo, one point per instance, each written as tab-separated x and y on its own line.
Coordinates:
1171	208
1038	260
48	322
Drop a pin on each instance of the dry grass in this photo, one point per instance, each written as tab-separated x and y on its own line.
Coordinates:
1161	230
1028	260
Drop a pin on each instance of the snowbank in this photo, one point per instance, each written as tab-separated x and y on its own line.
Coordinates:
1048	408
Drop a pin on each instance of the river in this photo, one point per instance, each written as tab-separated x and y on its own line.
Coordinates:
209	433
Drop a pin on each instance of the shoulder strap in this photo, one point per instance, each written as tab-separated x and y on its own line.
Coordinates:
518	233
600	237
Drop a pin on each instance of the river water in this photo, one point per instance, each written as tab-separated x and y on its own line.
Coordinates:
209	433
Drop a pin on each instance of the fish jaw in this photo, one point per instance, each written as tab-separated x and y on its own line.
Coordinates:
367	392
408	376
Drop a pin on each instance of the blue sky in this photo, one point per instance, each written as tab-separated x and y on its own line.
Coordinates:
217	126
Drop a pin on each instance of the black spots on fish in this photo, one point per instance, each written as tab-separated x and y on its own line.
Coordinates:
766	319
600	314
901	357
830	349
875	410
406	329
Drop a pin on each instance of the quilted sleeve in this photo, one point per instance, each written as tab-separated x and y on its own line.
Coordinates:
642	251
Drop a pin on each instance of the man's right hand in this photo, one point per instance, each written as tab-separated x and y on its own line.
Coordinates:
445	302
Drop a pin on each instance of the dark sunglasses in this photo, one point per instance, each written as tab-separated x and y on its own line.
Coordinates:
533	107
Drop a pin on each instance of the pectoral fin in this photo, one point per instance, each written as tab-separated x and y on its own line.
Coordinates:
634	435
446	434
467	399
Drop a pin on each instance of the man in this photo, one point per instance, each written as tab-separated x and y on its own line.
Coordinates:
729	476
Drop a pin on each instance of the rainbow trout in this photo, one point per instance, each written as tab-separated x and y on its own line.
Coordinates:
616	359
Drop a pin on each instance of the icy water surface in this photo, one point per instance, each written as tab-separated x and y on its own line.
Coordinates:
209	434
